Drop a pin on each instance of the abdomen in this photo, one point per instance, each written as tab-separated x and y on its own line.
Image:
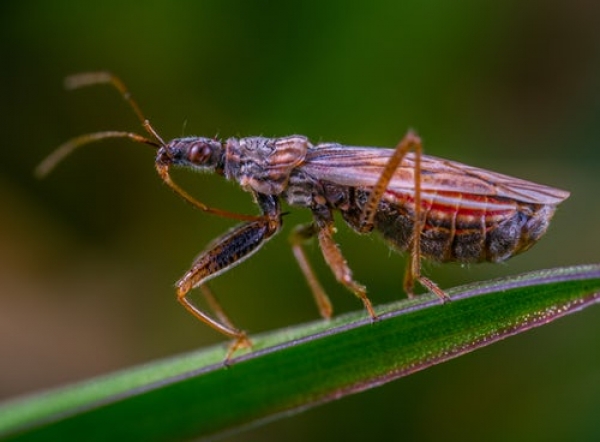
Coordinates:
480	228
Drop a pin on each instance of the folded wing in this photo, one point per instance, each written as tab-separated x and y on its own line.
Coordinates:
440	178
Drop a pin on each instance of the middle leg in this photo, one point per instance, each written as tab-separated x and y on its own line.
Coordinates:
336	261
300	235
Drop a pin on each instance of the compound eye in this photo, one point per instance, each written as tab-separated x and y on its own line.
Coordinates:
199	153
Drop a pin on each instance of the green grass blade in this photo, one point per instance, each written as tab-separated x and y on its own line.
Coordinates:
194	395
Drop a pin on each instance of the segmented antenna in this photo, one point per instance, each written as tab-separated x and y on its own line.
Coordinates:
89	79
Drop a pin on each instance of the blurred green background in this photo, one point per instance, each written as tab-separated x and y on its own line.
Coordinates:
88	257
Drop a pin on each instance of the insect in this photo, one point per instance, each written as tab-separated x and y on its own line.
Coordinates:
434	208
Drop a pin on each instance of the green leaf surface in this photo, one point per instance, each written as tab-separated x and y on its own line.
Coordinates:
196	395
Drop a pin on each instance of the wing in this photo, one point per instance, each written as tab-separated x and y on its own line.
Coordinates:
362	166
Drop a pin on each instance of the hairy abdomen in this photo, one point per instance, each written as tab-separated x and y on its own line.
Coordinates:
459	228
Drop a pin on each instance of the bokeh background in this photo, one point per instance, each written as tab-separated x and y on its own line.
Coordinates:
89	255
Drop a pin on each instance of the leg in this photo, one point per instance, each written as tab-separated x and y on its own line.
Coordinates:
214	305
411	141
335	260
224	253
163	172
413	271
300	235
